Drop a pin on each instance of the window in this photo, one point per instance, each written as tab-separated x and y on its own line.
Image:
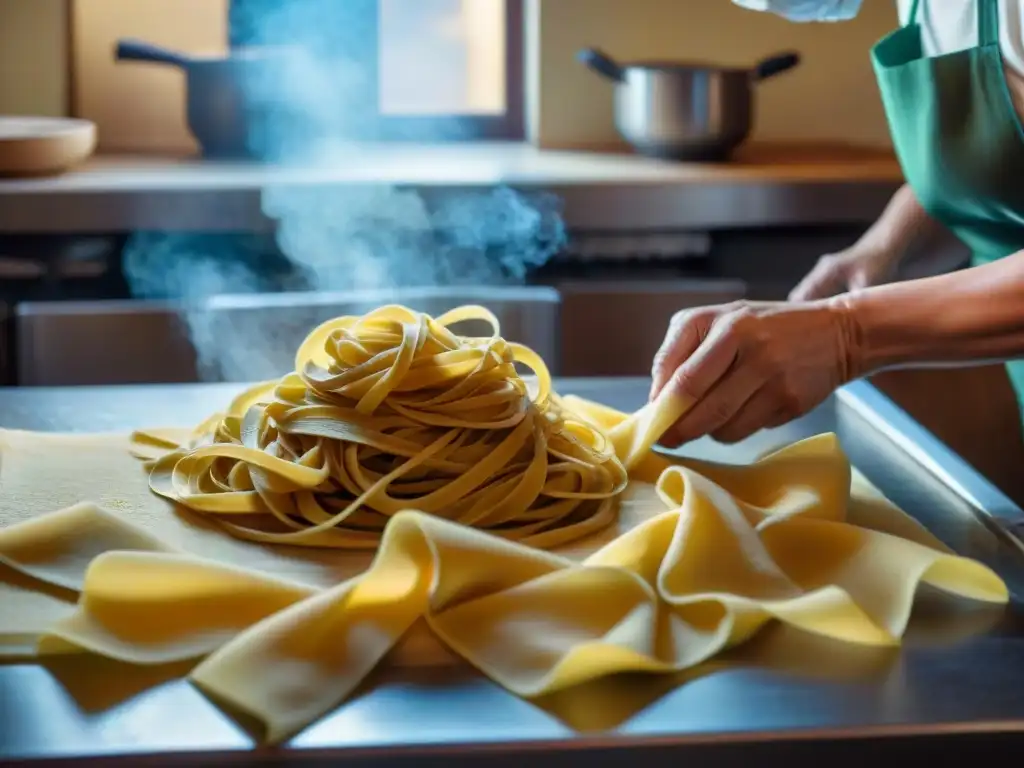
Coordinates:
410	69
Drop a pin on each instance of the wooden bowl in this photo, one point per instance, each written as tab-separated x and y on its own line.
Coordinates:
43	146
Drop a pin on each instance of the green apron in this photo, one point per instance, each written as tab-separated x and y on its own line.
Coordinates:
959	139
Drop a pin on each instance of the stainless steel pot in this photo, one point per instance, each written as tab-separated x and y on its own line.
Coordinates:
239	104
684	111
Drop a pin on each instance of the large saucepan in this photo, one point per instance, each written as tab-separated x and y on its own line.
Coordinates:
238	104
684	111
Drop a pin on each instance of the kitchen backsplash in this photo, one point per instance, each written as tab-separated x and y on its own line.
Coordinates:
33	57
139	107
831	97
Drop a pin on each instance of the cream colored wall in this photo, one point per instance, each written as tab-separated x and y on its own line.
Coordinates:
832	96
140	107
33	57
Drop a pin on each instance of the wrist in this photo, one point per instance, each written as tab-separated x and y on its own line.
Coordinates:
852	318
888	327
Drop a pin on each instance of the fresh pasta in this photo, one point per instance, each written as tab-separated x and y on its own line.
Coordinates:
394	411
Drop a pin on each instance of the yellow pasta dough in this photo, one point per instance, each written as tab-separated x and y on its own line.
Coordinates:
366	447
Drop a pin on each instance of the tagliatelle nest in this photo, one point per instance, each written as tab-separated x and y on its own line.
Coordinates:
393	411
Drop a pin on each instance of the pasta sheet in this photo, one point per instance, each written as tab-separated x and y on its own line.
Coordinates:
698	562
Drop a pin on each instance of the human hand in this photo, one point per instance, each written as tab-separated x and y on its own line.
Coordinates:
852	269
751	365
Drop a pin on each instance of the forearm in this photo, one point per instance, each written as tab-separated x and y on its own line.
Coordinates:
902	222
974	315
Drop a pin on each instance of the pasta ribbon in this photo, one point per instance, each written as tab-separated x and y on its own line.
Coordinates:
394	411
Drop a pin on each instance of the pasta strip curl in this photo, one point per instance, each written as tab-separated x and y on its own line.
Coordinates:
393	411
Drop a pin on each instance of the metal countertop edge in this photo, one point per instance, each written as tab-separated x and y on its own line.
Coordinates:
540	749
993	506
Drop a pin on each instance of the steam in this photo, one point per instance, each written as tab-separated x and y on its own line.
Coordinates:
314	110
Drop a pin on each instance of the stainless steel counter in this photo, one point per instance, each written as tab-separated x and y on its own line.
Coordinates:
955	688
599	191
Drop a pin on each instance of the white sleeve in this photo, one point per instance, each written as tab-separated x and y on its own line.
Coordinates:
805	10
903	9
1011	35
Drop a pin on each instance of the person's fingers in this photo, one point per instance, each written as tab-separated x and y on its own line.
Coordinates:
684	335
716	384
759	412
818	284
860	279
825	279
702	369
717	408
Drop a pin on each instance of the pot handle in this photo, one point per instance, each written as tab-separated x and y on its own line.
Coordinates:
136	50
776	65
602	64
